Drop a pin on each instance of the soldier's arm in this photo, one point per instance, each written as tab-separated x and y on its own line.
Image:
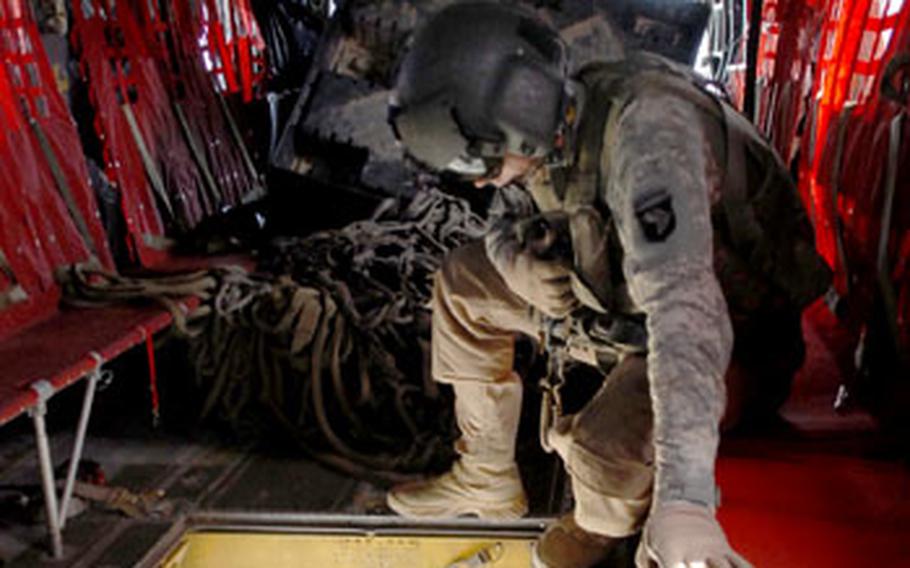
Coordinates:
658	193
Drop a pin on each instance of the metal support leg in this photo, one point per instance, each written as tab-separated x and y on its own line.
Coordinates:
79	443
56	517
47	478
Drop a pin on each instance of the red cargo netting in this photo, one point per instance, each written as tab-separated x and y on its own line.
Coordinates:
110	84
58	142
232	45
173	29
853	46
49	217
145	152
850	137
26	279
789	42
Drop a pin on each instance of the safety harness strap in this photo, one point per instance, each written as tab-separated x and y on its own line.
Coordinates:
63	187
151	170
583	179
745	231
256	191
211	187
609	88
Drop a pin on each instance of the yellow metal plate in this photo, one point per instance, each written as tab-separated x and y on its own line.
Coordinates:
236	550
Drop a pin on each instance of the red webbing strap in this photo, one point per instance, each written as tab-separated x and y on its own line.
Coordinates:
244	64
153	375
245	31
155	20
226	56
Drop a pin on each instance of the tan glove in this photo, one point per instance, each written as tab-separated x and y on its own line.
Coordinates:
680	534
533	256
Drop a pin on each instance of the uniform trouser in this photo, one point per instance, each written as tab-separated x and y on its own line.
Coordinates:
607	447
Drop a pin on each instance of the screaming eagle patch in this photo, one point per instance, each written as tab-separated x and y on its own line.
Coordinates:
656	217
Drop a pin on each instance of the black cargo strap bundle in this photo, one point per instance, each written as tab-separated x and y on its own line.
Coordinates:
330	344
87	286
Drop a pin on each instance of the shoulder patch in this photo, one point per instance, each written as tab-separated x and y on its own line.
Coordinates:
656	217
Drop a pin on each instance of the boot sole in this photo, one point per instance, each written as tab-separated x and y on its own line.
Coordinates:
494	512
536	562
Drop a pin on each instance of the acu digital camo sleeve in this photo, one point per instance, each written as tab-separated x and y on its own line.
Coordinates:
659	193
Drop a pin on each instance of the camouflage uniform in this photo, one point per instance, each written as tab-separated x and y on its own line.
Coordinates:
679	258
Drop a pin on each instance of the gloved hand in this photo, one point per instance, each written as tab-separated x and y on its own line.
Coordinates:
680	534
534	257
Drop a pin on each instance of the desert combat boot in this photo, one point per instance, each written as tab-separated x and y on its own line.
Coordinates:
485	481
